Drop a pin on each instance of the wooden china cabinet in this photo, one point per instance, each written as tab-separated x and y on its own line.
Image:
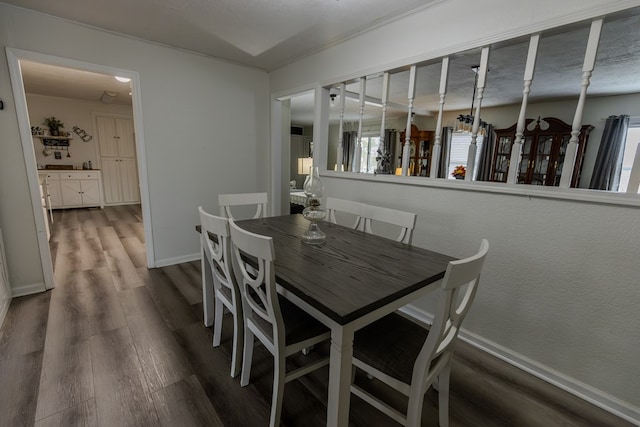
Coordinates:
543	149
420	149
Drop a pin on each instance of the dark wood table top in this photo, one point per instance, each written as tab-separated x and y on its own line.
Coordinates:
352	273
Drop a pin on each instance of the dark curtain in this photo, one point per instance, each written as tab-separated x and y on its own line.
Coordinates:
486	155
348	147
445	140
608	166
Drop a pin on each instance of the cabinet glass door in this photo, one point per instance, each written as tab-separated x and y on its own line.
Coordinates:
526	160
503	154
541	160
560	162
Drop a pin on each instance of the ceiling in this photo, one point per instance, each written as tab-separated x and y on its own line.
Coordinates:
257	33
266	34
270	34
50	80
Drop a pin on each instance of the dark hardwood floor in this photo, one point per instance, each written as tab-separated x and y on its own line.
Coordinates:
116	344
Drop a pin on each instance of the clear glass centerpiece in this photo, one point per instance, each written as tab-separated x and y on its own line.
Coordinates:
314	189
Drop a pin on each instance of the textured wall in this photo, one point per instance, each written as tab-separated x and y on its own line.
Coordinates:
560	285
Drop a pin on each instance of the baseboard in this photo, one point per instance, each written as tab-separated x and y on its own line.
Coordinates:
30	289
596	397
177	260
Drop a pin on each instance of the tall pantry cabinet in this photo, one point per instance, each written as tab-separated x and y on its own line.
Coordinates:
118	157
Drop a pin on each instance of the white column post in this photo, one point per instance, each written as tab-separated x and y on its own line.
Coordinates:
437	145
587	69
384	153
358	151
516	149
482	79
339	157
407	139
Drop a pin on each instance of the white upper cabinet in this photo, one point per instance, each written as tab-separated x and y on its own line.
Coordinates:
116	137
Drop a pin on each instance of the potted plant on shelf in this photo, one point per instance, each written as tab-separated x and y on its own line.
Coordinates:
459	172
54	125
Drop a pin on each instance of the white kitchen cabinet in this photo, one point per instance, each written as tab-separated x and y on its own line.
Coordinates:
74	189
118	159
120	181
116	137
51	187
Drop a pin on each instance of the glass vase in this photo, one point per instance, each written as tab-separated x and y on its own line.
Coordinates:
314	190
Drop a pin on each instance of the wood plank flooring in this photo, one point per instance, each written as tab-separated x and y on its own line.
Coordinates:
116	344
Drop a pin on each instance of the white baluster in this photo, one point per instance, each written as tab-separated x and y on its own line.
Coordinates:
358	151
407	139
437	145
516	149
587	70
384	153
482	79
339	157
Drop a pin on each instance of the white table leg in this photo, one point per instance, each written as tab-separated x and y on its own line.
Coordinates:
207	287
340	376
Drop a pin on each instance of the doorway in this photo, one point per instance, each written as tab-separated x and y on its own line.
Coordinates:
73	155
295	114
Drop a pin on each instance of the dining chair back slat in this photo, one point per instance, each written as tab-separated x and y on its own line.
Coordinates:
405	220
349	207
226	201
216	244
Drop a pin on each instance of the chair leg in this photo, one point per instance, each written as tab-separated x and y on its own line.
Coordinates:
247	356
414	409
207	291
237	344
278	389
217	323
443	395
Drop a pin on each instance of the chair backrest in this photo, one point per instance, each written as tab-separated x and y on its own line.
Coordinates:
218	249
334	205
405	220
226	201
258	286
453	305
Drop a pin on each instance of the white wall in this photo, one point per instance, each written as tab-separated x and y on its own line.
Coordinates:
559	291
206	126
72	112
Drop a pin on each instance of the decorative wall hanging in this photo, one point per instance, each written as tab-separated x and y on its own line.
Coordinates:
82	134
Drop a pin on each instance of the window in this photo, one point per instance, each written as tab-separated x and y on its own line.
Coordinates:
460	151
369	153
633	139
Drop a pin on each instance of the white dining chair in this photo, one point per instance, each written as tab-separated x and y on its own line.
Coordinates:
405	220
226	201
410	358
216	243
282	327
352	209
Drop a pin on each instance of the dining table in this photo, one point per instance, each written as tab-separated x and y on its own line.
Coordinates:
349	281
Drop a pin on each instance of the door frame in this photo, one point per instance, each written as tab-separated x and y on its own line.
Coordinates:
13	59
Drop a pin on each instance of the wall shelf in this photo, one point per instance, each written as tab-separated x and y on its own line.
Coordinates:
54	141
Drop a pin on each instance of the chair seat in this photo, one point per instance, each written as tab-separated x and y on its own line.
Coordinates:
390	345
299	326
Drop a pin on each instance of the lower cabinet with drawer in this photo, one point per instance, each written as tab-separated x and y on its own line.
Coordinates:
73	189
